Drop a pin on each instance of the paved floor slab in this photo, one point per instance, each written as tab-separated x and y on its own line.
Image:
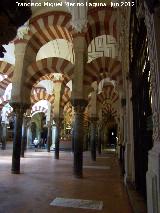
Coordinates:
97	167
77	203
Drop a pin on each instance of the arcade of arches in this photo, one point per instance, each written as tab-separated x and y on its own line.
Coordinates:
80	79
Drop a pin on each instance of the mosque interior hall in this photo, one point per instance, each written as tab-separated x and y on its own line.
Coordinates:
80	106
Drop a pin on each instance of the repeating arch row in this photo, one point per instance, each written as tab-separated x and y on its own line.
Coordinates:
101	22
101	68
47	27
47	66
108	93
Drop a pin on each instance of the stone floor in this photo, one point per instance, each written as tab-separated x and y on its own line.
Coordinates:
43	179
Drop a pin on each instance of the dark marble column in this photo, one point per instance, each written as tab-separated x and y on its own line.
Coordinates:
4	135
73	138
99	141
93	137
58	122
18	120
79	108
24	137
49	136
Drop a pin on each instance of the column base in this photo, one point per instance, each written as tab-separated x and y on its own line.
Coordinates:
56	157
153	180
78	165
93	155
15	172
78	176
127	179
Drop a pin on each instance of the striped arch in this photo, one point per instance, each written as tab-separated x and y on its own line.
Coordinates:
108	108
47	66
110	124
4	100
2	104
41	95
48	77
38	90
108	93
101	21
39	109
4	83
68	108
101	68
66	96
47	27
6	69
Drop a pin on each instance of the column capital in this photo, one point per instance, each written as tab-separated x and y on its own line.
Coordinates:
58	120
19	107
79	105
93	118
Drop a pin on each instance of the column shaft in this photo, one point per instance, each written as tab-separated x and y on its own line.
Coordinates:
4	134
93	138
17	141
57	139
99	142
79	107
24	137
49	136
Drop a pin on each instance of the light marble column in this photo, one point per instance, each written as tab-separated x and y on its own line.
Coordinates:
21	63
153	174
129	143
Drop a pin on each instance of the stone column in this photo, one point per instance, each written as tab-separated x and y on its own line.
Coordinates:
49	136
153	174
129	143
93	137
24	136
99	139
19	110
58	111
4	135
58	122
79	108
73	136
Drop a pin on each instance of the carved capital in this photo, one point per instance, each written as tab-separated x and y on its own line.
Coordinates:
58	121
93	120
79	105
19	108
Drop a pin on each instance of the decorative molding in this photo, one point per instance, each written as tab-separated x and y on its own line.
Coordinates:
79	16
22	31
